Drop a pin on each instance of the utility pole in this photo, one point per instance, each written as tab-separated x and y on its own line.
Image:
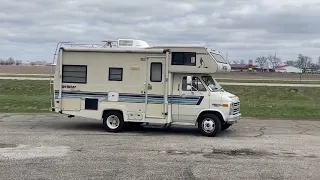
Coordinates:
227	57
273	64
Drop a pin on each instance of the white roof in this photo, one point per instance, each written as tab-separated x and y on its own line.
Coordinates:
128	50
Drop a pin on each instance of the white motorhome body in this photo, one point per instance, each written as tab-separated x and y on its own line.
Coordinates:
164	85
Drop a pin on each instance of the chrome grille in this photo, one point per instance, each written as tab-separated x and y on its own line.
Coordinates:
236	108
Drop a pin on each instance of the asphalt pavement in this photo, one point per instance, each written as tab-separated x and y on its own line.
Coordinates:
56	147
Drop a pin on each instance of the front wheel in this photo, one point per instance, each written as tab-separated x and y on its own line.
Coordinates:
209	125
113	121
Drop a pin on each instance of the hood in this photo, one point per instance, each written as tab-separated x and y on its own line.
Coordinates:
231	96
228	94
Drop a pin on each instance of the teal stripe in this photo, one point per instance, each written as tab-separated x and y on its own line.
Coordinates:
135	98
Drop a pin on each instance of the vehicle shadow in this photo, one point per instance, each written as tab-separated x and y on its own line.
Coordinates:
95	127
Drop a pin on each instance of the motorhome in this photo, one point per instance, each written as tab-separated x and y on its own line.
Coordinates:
128	82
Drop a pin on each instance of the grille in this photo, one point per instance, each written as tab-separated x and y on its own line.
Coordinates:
236	108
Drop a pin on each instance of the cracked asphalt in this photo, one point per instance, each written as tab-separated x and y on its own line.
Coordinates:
56	147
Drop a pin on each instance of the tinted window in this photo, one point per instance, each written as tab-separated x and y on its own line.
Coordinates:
115	74
74	74
218	58
184	58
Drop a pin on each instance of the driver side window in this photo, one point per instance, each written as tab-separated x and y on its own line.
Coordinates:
196	83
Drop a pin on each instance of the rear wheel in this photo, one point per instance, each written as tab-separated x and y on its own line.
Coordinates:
209	125
113	121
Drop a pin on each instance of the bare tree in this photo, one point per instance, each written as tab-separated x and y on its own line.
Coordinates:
303	62
18	62
274	60
10	61
291	63
236	61
261	61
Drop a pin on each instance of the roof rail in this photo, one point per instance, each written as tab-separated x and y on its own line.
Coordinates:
120	43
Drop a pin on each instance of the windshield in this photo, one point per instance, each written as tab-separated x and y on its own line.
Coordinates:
212	84
218	58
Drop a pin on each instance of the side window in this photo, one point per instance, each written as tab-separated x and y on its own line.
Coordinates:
156	72
196	83
183	58
74	74
115	74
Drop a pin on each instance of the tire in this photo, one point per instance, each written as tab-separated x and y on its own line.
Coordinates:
209	125
113	121
225	126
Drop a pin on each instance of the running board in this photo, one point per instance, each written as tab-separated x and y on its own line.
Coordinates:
183	123
155	120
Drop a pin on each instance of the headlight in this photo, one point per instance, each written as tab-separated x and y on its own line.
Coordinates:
231	108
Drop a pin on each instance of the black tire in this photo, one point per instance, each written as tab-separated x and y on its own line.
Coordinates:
209	119
117	117
225	126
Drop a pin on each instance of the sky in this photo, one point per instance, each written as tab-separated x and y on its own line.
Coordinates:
243	29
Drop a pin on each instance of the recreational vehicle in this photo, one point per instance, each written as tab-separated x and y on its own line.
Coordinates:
128	82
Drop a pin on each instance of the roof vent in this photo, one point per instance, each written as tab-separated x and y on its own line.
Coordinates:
132	43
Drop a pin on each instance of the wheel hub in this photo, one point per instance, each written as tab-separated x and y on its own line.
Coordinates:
208	125
113	122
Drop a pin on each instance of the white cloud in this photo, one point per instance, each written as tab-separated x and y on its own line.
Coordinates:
29	30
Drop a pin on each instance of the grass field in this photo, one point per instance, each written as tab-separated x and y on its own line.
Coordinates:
268	102
24	96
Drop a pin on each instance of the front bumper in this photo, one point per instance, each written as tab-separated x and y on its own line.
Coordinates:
233	118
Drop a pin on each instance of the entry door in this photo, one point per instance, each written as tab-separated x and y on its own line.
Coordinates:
155	87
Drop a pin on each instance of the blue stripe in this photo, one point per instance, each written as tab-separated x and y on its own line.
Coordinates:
134	98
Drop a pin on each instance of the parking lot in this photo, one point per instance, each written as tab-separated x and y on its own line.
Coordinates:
56	147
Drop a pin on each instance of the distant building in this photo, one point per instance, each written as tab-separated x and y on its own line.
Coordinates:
287	69
242	67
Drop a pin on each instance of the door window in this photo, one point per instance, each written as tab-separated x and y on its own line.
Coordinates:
156	72
196	83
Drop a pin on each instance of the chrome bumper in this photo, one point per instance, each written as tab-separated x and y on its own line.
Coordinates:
233	118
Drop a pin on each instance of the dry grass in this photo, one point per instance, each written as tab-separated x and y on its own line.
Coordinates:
42	70
25	69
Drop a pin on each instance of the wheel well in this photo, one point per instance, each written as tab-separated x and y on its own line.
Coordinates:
111	110
211	112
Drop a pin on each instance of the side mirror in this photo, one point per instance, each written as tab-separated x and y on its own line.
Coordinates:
189	87
189	80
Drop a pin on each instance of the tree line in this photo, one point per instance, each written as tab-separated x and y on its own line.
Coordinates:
10	61
302	62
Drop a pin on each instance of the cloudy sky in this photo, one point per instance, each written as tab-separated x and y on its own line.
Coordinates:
30	29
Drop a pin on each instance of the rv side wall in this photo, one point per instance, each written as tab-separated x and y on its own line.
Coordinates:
93	81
